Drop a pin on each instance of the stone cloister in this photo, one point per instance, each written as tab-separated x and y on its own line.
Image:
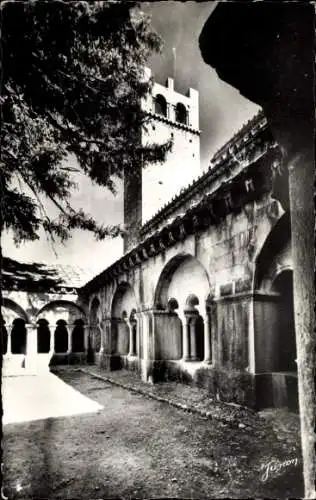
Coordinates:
33	339
204	296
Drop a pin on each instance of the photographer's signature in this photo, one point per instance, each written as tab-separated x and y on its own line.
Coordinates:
274	466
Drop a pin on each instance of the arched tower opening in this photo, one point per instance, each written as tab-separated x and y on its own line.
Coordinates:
160	105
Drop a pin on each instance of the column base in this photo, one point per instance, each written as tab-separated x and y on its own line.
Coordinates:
207	361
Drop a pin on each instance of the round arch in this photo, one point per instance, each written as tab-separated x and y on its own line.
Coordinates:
181	113
94	309
275	243
58	309
13	307
123	300
160	105
181	277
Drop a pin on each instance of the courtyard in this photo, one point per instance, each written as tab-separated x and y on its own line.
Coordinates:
106	441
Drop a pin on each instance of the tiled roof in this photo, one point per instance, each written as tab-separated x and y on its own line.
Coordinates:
33	275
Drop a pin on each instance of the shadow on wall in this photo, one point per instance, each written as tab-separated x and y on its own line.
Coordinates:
31	277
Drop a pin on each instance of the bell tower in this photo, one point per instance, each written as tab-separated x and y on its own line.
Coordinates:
173	116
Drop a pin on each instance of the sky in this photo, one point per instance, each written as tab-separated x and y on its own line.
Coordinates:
223	111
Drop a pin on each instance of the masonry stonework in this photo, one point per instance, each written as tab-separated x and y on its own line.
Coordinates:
203	293
209	285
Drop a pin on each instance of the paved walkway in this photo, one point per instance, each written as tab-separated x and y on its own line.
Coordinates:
137	447
27	398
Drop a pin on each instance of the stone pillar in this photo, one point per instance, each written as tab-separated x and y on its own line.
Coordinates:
51	338
9	328
107	337
145	372
131	343
137	338
139	342
31	348
150	365
100	326
251	340
207	339
301	176
85	337
69	329
31	340
185	337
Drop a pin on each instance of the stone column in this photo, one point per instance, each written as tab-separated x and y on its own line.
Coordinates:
31	348
107	339
139	319
69	329
85	337
51	338
207	339
185	337
100	326
251	339
9	328
31	339
131	343
301	176
144	361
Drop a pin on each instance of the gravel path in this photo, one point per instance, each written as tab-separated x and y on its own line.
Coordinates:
142	448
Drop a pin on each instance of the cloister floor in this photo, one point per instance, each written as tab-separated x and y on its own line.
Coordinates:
133	446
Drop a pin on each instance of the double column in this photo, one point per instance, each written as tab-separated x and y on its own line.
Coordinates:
189	347
132	347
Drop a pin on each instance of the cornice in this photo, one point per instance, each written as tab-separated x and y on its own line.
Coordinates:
223	162
173	123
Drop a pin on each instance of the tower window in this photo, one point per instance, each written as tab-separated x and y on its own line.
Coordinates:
160	105
181	113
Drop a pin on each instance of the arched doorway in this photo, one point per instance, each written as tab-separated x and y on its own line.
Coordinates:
196	329
274	327
18	337
43	336
184	283
61	337
14	338
283	285
77	336
124	323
